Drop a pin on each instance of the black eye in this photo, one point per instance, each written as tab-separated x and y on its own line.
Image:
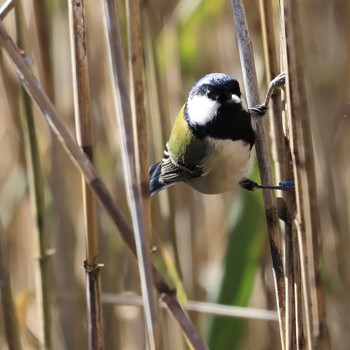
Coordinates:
212	94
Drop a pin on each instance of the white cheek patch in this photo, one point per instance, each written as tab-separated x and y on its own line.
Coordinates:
202	109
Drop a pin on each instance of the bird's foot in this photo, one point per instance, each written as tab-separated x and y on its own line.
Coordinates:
260	110
278	82
251	185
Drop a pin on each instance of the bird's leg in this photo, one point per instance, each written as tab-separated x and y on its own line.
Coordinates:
277	82
260	111
250	185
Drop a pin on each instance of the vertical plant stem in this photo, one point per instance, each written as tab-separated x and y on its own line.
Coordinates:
122	101
42	271
8	306
135	58
70	311
272	70
85	141
250	80
307	215
284	170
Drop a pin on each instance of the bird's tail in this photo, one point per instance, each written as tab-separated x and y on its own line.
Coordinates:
155	183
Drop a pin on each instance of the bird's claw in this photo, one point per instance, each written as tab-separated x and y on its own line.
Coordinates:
278	81
259	110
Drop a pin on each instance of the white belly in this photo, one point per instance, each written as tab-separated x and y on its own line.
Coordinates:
227	163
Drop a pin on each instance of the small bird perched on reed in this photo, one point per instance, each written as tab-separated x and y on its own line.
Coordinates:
211	140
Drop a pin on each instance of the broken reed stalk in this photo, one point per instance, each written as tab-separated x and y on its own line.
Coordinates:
83	163
7	303
307	215
130	150
250	80
85	140
36	186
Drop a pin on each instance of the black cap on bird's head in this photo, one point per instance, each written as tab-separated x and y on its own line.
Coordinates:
214	108
216	86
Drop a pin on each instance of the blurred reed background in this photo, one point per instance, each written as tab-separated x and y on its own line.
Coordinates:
218	242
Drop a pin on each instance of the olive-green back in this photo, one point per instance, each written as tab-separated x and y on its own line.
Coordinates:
184	147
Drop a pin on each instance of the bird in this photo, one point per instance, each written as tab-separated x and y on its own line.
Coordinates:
211	140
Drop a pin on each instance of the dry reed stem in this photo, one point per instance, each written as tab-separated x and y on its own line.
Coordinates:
281	158
83	163
139	125
42	269
250	80
135	59
129	146
68	308
85	140
8	306
307	215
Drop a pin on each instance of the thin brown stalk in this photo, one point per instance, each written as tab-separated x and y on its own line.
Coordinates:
307	215
123	106
36	185
85	141
283	169
272	69
83	163
135	59
8	306
69	313
250	80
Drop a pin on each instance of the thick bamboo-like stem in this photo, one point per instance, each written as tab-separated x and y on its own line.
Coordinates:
7	303
83	163
42	268
130	151
85	141
251	84
307	214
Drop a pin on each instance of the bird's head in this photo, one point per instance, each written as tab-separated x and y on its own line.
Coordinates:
209	95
